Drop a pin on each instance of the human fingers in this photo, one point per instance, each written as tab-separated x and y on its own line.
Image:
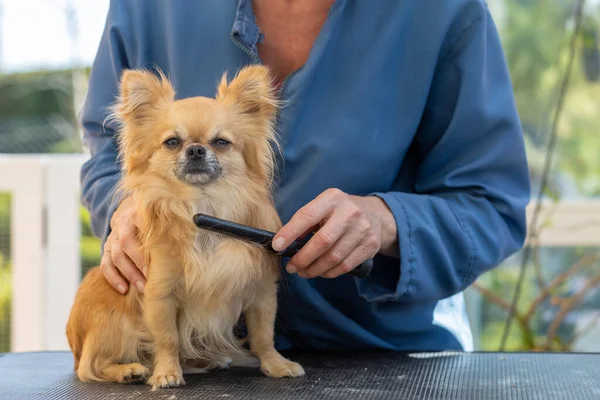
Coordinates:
111	273
125	265
340	251
366	250
306	218
339	227
131	247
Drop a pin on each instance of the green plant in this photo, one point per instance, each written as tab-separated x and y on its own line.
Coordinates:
5	224
5	305
89	244
90	253
545	303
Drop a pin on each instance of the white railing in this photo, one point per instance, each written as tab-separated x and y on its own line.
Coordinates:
45	241
45	234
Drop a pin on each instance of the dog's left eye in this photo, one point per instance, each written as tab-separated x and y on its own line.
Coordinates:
172	142
221	142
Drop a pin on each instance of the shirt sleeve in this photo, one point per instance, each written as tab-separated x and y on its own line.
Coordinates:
101	173
467	212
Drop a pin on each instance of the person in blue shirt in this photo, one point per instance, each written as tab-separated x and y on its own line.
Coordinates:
401	141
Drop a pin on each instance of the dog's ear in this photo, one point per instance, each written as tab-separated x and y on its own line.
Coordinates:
251	93
251	97
144	97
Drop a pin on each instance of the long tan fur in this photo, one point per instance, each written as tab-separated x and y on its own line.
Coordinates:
198	283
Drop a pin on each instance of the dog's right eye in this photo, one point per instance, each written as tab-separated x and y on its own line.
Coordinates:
172	142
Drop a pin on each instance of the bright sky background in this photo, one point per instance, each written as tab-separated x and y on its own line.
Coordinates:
34	35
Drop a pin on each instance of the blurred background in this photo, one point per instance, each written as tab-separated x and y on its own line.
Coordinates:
545	298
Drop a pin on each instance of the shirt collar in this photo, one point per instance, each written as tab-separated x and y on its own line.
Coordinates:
245	28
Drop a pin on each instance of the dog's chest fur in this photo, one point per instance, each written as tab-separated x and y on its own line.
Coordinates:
220	281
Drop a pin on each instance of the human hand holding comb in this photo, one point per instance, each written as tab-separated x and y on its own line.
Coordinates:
263	238
348	230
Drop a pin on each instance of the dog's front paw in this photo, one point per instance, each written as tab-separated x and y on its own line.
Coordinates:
279	367
133	373
166	378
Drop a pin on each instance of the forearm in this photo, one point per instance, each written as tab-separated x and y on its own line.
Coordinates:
99	179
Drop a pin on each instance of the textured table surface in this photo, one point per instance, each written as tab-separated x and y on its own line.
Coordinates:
476	376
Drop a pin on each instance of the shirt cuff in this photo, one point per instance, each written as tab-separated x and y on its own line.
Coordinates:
390	278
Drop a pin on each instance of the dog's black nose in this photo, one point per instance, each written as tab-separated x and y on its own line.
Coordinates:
195	152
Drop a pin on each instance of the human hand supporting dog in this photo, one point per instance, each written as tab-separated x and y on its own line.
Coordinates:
348	230
123	260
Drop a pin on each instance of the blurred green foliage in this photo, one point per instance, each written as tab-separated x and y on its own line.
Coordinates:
551	262
5	276
89	245
5	306
535	36
4	226
37	113
36	93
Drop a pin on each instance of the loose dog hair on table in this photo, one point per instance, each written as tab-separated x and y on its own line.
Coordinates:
180	158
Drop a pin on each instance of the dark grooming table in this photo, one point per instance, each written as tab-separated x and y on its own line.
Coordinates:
476	376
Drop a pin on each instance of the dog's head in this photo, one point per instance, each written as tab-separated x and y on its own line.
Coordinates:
198	141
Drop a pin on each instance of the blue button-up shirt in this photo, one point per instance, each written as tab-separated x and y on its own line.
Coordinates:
407	100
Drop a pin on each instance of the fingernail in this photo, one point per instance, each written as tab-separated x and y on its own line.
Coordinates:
291	269
121	288
140	286
278	244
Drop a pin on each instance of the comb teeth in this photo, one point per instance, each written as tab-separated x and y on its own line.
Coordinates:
235	230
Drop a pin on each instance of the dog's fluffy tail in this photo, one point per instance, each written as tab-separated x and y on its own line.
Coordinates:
244	360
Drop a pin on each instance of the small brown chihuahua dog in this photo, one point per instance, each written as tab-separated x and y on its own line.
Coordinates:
180	158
